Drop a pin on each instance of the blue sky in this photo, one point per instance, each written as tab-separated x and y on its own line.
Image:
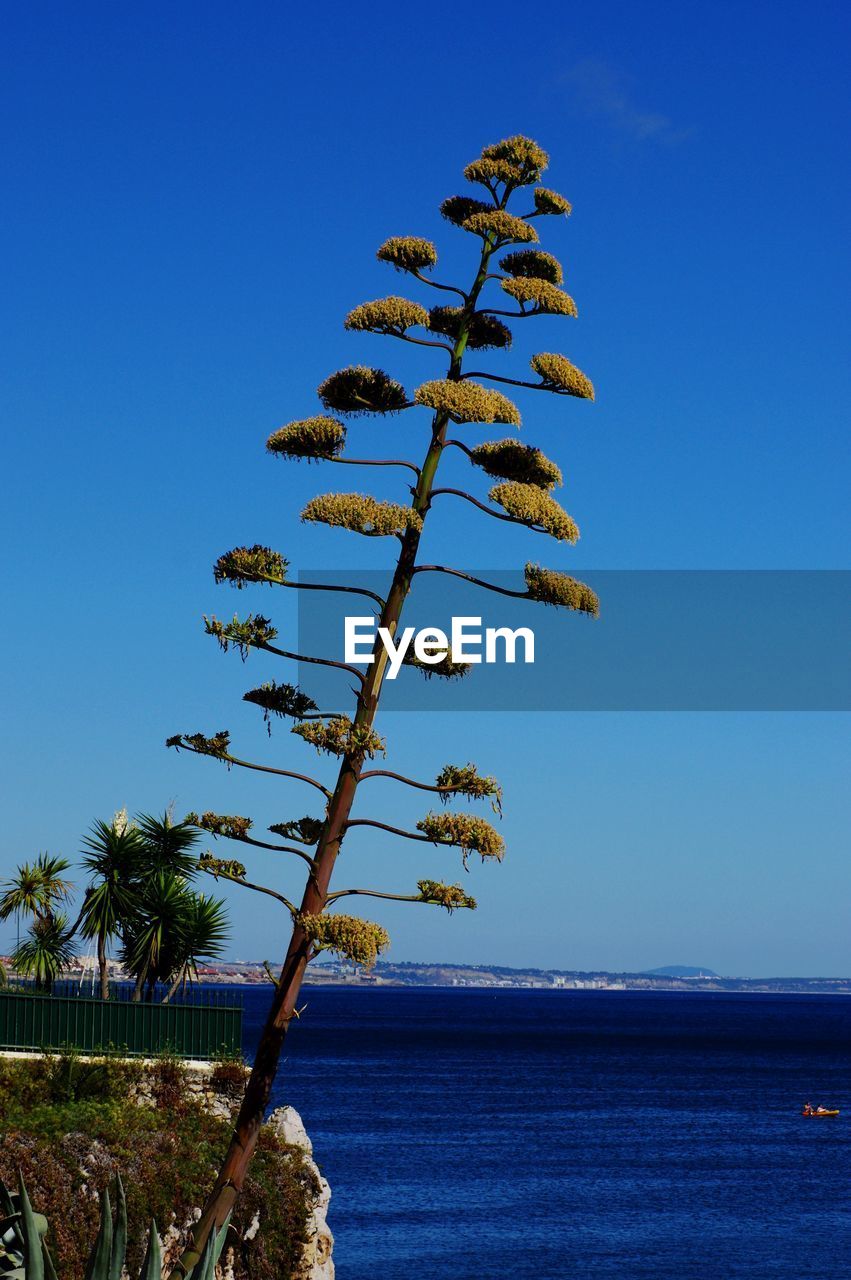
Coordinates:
194	196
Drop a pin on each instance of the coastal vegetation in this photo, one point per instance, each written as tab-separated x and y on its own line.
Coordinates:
70	1127
455	397
139	896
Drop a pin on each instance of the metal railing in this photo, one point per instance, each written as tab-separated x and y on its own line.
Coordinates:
202	1029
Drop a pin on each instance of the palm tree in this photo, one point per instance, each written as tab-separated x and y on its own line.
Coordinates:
203	933
46	952
35	889
54	888
23	894
168	845
116	858
150	935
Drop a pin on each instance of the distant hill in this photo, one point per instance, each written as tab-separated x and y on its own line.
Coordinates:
680	971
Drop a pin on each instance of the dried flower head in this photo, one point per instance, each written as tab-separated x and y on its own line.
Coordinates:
229	825
559	375
319	437
500	227
534	506
355	939
469	834
483	331
548	298
408	253
521	152
304	830
533	262
447	668
360	389
457	209
361	513
489	172
450	896
550	587
465	780
391	315
217	746
467	402
251	564
216	867
514	461
339	736
280	700
253	632
551	202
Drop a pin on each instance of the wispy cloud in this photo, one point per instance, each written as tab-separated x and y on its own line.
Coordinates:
603	92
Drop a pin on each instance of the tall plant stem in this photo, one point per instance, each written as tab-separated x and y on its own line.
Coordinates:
283	1006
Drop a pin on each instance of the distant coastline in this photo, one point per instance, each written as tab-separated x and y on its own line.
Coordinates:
502	977
495	977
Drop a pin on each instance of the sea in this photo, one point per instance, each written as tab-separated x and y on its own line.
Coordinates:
479	1134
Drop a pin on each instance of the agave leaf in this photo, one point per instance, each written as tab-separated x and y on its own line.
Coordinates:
207	1265
49	1269
119	1239
11	1212
206	1268
33	1256
99	1261
8	1223
152	1267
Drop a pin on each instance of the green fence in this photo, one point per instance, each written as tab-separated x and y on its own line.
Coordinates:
36	1022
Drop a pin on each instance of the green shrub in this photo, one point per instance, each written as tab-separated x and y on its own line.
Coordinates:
69	1126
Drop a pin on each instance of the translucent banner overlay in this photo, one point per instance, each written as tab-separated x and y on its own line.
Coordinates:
665	640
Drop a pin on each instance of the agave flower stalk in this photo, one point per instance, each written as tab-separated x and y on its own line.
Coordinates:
525	478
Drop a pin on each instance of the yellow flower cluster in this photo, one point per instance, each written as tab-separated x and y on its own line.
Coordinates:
387	315
408	253
522	152
447	668
514	461
469	834
361	513
280	700
502	227
305	830
340	736
534	506
319	437
218	745
360	389
551	587
250	633
450	896
489	171
231	826
467	402
535	263
547	297
221	866
355	939
558	374
484	332
457	209
251	564
466	780
551	202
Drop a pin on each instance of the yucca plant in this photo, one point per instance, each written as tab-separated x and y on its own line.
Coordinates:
505	256
24	1254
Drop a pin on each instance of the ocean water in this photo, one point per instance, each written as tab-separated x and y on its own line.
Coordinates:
541	1135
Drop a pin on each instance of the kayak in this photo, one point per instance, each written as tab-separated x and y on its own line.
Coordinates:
819	1115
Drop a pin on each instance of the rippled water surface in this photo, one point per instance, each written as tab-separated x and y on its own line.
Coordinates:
475	1135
